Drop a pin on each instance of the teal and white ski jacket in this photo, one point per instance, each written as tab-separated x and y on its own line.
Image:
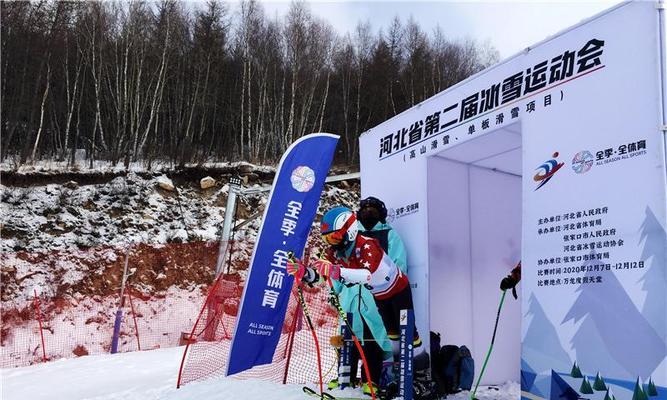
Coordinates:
366	308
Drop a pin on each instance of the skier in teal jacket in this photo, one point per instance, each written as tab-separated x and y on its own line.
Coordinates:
358	300
373	216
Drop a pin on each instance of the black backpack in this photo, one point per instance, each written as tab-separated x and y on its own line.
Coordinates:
449	370
437	365
457	369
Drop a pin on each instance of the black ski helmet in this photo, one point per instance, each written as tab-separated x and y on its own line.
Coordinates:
377	204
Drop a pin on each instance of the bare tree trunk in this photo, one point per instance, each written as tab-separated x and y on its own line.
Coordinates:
41	114
97	77
71	100
78	124
324	100
243	86
290	121
157	94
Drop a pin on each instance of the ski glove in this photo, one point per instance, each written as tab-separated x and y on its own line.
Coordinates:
296	268
511	280
327	269
337	341
508	283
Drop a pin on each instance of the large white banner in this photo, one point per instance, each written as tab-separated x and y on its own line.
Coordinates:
588	106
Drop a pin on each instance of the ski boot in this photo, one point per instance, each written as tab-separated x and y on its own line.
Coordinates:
389	391
366	388
423	388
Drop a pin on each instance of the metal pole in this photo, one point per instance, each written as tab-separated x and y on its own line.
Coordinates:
234	187
39	320
121	304
661	5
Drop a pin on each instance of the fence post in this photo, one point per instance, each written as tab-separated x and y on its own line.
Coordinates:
134	317
39	319
290	342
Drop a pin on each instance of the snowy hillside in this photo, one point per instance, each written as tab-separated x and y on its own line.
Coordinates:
68	241
151	375
89	227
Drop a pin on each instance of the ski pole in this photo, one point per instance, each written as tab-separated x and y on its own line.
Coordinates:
341	312
343	315
306	314
488	354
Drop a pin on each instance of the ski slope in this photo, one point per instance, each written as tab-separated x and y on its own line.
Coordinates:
149	375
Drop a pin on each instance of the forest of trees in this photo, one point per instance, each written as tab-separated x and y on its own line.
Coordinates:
197	82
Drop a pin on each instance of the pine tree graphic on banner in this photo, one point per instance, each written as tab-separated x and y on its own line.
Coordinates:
638	393
607	336
599	384
651	390
586	387
654	281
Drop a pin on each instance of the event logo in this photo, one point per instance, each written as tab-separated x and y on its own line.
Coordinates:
582	161
547	170
303	179
391	215
398	212
621	152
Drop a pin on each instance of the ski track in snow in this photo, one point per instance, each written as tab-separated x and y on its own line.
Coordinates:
151	375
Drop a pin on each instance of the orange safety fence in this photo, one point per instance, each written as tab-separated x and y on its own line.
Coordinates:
295	358
48	326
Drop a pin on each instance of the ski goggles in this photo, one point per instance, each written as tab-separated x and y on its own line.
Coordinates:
332	238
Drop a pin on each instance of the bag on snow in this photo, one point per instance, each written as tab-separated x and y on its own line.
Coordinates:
466	369
458	368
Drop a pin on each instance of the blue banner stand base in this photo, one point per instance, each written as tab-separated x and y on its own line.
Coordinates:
406	355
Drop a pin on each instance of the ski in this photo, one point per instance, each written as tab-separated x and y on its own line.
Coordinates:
313	393
327	396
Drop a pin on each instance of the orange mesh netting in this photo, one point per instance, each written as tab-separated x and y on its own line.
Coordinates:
295	358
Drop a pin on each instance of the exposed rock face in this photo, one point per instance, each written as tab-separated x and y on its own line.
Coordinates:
207	182
165	183
71	185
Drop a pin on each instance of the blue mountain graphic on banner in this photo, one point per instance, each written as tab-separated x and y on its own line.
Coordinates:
592	353
655	279
561	390
541	346
626	335
528	376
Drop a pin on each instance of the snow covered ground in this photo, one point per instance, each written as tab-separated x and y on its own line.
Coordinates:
58	167
149	375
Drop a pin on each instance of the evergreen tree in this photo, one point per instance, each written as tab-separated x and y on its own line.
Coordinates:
599	384
638	393
586	387
651	390
607	396
576	373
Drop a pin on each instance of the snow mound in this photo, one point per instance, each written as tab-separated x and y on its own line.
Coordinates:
151	375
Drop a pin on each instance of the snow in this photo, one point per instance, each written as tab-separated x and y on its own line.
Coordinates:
149	375
100	166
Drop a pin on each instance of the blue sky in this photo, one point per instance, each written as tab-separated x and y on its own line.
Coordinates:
509	26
